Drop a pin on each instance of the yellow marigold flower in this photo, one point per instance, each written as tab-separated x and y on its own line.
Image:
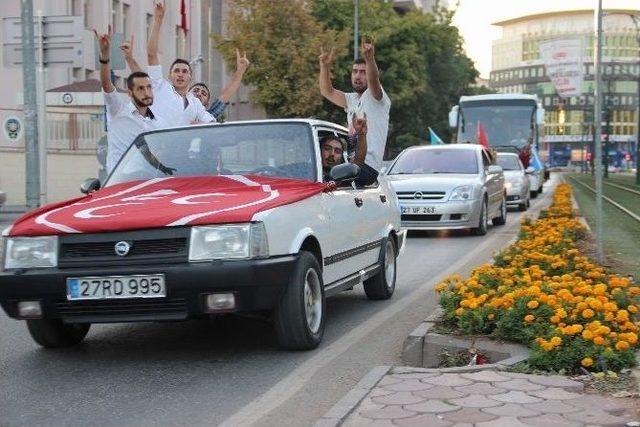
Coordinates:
554	319
582	306
586	362
491	316
611	306
556	341
587	335
632	309
459	311
622	316
529	318
587	313
622	345
440	287
547	346
533	304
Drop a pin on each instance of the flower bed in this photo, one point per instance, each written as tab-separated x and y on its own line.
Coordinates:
541	291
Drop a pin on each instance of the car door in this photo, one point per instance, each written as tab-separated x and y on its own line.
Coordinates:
494	184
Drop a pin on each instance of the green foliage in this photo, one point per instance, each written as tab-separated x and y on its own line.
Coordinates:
423	67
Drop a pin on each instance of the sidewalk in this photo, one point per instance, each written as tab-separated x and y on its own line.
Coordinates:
431	397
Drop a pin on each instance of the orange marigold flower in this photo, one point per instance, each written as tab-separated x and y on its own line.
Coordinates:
598	341
622	345
587	313
586	362
632	309
587	335
529	318
533	304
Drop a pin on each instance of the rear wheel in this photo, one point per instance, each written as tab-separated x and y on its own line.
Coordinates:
300	316
382	285
483	222
54	333
523	206
502	219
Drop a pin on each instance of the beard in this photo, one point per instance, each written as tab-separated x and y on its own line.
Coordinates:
142	102
359	89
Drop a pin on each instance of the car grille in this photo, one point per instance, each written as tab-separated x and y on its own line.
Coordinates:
512	198
147	247
123	310
420	217
420	195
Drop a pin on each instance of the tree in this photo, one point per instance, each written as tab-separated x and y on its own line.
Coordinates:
283	42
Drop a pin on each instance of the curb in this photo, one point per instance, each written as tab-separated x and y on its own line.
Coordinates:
343	408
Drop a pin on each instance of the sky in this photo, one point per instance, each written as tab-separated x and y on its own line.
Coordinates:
474	18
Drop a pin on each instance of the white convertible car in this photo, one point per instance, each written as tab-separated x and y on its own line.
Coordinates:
203	220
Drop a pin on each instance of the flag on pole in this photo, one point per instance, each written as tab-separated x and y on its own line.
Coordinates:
183	16
435	139
482	136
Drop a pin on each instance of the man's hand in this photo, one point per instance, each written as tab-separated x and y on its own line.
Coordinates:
368	50
127	48
104	43
242	63
360	125
158	10
326	58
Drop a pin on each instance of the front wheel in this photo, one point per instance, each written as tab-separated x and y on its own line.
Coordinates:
533	194
483	225
382	285
502	219
54	333
300	316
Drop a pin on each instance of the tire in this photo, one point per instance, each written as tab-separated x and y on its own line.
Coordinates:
502	219
300	316
523	206
540	189
382	285
483	225
533	194
54	333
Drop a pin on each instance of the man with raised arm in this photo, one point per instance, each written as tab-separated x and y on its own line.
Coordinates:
219	104
368	98
126	118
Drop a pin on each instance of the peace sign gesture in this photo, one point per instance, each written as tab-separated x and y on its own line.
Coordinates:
104	43
242	63
158	9
326	58
127	48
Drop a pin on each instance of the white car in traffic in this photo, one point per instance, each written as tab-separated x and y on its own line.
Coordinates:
516	180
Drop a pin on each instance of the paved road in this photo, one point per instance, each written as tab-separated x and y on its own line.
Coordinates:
229	370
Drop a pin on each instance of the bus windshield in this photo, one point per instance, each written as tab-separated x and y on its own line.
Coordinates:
505	125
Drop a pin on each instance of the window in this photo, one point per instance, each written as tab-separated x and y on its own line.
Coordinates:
116	17
126	20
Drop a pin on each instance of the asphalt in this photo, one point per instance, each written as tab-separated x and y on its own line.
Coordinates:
229	370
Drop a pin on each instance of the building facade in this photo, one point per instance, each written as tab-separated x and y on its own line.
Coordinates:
568	132
74	104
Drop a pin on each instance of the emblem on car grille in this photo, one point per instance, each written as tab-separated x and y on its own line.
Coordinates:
122	248
417	195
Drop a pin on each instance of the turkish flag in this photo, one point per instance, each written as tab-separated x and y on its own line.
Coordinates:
183	16
482	136
166	202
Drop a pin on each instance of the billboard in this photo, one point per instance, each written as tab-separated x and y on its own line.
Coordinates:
563	61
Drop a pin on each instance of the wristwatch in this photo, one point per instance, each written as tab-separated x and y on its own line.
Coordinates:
103	61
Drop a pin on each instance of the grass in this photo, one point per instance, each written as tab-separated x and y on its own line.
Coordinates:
621	233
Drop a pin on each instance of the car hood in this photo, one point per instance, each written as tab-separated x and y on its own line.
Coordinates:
514	176
431	182
166	202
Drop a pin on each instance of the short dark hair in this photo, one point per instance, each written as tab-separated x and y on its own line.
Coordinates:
359	61
328	138
200	84
180	61
135	75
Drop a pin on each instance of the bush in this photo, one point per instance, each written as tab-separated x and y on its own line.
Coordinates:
541	291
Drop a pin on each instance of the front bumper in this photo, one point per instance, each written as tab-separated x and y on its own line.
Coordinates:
446	216
256	285
516	197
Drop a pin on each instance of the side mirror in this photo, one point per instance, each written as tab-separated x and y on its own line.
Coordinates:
453	117
494	169
540	115
383	170
344	172
90	185
529	170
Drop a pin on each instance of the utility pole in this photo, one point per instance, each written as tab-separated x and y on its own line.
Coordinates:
32	174
355	30
636	22
607	130
597	118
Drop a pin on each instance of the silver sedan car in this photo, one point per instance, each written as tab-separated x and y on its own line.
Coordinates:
448	187
516	180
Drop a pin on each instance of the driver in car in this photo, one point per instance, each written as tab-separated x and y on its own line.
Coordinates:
332	151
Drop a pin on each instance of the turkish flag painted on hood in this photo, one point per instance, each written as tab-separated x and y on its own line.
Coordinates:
166	202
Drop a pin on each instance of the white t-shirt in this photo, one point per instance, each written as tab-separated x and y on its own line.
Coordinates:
377	122
170	104
124	124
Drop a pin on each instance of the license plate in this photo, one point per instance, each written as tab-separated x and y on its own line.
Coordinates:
114	287
418	210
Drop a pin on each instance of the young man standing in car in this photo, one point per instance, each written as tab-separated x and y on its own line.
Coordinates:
368	98
126	119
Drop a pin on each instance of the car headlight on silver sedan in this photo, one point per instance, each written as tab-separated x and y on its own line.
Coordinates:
464	193
29	252
229	241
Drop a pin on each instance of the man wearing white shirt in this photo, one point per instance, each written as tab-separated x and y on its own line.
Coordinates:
173	99
368	100
126	117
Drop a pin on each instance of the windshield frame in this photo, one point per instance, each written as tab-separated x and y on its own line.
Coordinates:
433	148
511	156
474	104
311	137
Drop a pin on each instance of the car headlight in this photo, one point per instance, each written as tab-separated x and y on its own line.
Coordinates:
464	192
29	252
508	185
232	241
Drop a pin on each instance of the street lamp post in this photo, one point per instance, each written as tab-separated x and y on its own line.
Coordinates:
636	22
356	12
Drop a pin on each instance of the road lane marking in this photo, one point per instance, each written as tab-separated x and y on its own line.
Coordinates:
287	387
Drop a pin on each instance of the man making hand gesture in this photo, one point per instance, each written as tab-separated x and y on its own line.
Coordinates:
368	98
